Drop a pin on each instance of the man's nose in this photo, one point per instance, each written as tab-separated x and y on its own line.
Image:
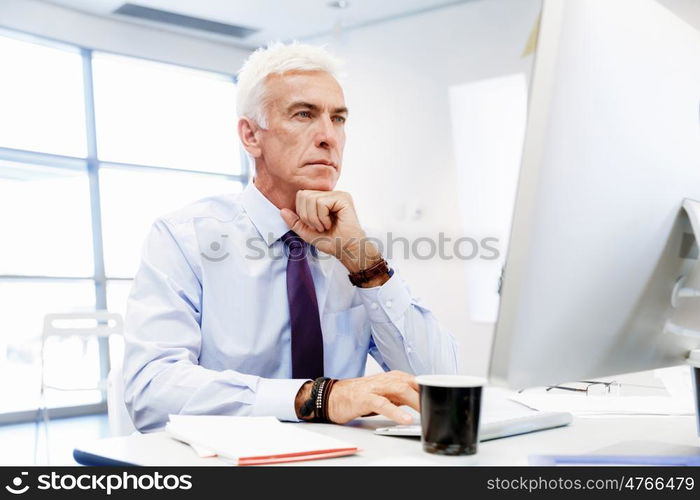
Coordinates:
326	134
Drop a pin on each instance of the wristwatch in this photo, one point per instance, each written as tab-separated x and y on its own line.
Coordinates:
366	275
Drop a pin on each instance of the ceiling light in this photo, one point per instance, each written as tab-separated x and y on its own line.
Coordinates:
339	4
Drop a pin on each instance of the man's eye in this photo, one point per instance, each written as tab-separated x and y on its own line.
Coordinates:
303	114
339	119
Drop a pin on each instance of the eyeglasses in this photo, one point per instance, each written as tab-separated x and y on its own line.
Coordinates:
590	388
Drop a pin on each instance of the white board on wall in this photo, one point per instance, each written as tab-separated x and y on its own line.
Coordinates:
488	128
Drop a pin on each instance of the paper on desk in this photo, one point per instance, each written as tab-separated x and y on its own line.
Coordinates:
201	451
604	405
640	460
254	440
628	453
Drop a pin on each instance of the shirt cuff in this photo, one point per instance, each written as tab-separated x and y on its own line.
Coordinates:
386	303
275	397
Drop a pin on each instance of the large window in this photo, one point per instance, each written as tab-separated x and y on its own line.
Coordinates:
93	147
41	98
46	226
159	114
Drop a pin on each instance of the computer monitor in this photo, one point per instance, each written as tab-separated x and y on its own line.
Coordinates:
599	236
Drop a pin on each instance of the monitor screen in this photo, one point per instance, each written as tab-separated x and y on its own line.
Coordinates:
599	235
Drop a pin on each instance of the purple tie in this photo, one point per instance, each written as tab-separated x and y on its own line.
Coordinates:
307	339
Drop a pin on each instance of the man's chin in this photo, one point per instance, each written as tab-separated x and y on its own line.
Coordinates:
320	183
321	187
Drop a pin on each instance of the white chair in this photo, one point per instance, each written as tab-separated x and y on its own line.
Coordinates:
97	324
120	423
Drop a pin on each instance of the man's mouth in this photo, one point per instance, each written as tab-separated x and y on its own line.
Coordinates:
323	162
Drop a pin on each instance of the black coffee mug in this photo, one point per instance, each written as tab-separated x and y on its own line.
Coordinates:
450	407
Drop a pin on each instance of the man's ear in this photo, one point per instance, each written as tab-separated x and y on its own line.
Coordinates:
248	131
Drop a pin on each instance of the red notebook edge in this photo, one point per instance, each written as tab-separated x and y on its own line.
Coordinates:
297	457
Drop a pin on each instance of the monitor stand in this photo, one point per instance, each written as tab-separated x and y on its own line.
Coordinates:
694	362
686	289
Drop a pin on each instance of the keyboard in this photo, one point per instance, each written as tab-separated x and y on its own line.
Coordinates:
496	426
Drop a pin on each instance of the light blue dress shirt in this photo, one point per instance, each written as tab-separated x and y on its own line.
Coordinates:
207	322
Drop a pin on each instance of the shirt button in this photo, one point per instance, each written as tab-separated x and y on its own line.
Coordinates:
388	303
409	350
374	306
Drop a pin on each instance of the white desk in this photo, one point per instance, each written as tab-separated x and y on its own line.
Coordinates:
617	435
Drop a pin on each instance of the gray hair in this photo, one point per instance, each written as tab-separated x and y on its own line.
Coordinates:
277	58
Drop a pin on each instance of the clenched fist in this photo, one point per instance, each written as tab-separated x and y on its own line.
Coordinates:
327	220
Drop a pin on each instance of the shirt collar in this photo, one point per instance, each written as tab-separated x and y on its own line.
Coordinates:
264	215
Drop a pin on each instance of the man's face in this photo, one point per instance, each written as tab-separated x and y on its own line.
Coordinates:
302	148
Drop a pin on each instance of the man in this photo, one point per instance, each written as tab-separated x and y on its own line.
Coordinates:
241	301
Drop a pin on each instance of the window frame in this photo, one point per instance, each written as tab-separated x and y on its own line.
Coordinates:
91	164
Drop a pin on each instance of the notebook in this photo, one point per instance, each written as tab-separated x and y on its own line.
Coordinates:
254	440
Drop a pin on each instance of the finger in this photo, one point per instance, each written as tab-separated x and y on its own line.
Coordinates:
324	213
404	377
412	382
290	218
295	223
409	396
401	393
301	206
383	406
312	213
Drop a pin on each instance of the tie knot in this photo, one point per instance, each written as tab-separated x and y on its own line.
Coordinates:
295	246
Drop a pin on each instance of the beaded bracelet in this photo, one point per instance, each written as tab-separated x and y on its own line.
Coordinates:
307	409
317	404
326	399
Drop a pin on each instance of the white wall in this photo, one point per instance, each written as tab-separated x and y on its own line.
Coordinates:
399	155
37	18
